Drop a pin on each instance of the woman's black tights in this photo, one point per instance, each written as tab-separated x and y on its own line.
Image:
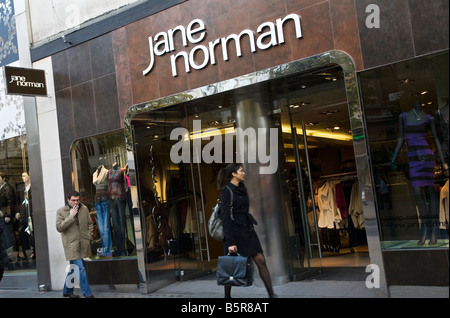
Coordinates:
260	262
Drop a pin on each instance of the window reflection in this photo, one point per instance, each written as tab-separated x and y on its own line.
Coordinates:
406	107
101	176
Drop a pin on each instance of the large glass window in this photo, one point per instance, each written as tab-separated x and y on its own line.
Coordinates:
16	204
101	176
406	111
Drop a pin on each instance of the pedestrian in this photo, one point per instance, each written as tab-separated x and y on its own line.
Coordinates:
240	236
75	225
4	258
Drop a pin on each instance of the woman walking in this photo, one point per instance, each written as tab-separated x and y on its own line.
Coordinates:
240	236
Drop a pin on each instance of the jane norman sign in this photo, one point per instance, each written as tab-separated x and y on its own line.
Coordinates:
268	34
25	81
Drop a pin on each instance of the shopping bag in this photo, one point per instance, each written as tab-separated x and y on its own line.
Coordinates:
234	270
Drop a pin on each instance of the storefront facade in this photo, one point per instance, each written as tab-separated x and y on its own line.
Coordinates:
164	102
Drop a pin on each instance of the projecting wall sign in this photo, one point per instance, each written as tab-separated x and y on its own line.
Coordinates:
25	81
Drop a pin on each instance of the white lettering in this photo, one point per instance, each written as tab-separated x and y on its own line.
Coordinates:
298	29
172	32
191	32
173	59
237	40
152	57
192	61
164	43
269	35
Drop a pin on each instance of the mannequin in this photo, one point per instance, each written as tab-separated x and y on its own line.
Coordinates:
24	216
118	195
102	206
413	128
7	201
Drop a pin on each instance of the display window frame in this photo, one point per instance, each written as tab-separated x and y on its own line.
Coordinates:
104	157
416	87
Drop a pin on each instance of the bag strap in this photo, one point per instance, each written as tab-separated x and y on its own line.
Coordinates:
231	203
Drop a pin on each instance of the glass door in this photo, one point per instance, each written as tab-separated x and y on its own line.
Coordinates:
318	149
177	185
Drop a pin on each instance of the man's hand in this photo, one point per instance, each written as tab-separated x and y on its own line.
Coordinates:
74	211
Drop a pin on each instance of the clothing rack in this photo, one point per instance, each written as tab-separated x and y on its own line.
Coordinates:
341	176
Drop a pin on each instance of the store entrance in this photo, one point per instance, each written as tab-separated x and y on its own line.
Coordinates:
321	170
179	150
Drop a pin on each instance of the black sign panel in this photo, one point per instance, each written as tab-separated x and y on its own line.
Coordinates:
25	81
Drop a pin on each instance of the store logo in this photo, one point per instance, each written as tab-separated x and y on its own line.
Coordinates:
268	34
22	81
25	81
373	19
253	142
74	273
373	280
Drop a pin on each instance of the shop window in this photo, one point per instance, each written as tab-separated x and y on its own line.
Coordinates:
406	112
15	203
100	174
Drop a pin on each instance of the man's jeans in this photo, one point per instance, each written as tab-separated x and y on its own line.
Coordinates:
82	279
103	226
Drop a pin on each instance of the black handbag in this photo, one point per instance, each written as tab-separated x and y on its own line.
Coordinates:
234	270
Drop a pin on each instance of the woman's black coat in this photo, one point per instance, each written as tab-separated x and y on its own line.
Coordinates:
238	231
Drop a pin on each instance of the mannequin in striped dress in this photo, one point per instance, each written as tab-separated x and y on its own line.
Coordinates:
414	126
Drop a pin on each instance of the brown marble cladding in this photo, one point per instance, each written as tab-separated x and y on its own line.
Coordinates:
86	91
326	25
393	41
123	74
345	29
430	33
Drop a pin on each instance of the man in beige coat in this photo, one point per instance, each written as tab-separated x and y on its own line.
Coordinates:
75	225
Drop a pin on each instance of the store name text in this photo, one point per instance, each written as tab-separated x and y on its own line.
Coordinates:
268	34
22	81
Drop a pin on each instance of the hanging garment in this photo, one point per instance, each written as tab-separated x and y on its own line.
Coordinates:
355	209
340	200
190	222
443	207
329	213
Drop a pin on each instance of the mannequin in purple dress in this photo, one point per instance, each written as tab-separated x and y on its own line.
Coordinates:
414	126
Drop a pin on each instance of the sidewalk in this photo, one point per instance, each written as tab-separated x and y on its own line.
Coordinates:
331	283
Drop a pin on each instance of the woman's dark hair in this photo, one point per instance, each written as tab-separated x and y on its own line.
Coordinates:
228	173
